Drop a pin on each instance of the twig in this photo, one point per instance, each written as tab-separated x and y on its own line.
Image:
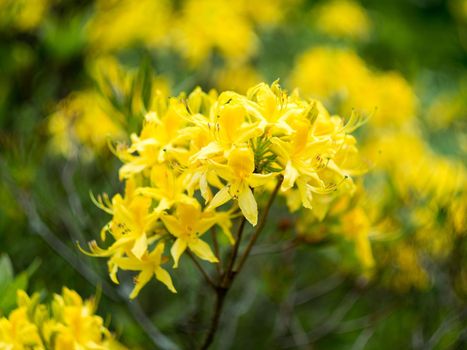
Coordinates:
200	268
225	281
318	289
216	250
275	248
230	273
220	298
259	228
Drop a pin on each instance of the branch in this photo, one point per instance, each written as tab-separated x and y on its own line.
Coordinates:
226	280
200	268
259	228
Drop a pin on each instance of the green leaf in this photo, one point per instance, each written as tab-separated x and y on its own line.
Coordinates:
8	295
6	271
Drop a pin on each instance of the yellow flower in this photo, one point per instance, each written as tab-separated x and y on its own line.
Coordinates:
205	25
71	324
23	15
121	23
343	19
80	119
148	266
240	177
356	226
344	82
187	225
218	148
158	138
18	331
238	78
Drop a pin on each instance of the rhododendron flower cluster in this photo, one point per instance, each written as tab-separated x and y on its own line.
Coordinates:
67	323
204	159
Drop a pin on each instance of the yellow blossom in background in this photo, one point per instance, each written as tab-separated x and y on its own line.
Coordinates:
23	15
342	19
86	120
449	109
119	24
196	29
205	25
407	173
238	78
348	217
68	323
228	148
391	99
344	82
405	268
80	119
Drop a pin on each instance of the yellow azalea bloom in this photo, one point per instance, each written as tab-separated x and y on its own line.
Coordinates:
187	225
75	324
303	155
238	78
148	266
166	187
157	139
118	24
68	323
338	77
132	219
80	119
216	148
356	226
229	124
23	15
239	173
343	18
18	331
205	25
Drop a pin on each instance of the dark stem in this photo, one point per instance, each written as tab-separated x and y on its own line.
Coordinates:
200	268
216	250
220	298
258	230
230	274
225	281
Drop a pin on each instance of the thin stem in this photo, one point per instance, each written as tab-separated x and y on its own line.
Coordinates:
259	228
216	250
200	268
230	274
233	257
220	298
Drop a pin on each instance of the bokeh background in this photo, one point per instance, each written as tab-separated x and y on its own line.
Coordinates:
384	268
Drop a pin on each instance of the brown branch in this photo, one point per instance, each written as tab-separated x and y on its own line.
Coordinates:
230	273
259	228
225	281
200	268
216	250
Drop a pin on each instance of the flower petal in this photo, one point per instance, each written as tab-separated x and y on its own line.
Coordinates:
290	176
221	197
177	250
140	281
140	246
172	224
203	250
247	204
163	276
256	180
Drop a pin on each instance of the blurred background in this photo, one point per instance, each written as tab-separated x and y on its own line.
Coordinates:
384	268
